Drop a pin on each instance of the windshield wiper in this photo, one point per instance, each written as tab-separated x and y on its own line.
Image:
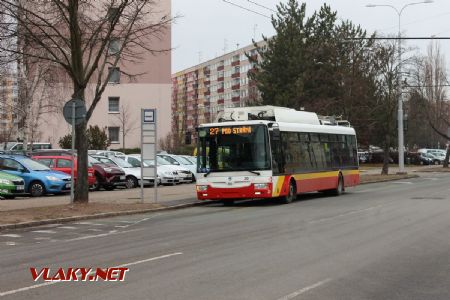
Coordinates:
207	173
254	172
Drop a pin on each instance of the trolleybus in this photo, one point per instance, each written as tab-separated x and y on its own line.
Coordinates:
273	152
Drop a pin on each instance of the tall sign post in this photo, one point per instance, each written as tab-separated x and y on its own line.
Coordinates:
74	112
148	148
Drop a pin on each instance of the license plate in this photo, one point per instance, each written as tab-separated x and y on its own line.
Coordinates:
67	185
20	187
122	177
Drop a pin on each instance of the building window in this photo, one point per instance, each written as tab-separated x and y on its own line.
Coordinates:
114	46
114	75
113	134
113	104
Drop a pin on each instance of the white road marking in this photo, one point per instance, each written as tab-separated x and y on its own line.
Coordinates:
24	289
11	235
42	238
127	222
90	223
149	259
68	227
50	225
430	178
44	231
94	229
304	290
121	226
401	182
344	214
10	243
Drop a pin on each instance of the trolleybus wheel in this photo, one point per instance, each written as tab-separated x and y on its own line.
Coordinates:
292	194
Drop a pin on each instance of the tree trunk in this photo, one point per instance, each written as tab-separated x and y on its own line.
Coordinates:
82	186
387	146
447	155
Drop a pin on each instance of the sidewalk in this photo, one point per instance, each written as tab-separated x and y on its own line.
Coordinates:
167	196
410	169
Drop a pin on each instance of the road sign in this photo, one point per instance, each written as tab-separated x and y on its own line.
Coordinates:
149	116
148	148
80	111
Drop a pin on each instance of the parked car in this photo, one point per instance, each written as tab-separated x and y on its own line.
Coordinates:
184	163
109	153
133	174
437	158
425	159
107	175
167	175
64	164
39	179
11	185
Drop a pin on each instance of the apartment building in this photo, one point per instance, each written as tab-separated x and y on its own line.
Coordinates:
119	109
200	92
8	107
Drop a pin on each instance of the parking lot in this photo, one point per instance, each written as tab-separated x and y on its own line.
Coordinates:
166	194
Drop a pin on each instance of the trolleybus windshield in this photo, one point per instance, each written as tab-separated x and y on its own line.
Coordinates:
233	148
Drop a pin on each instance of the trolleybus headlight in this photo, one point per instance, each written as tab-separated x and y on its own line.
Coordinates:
202	188
261	186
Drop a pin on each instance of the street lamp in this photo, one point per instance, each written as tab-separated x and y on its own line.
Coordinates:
401	158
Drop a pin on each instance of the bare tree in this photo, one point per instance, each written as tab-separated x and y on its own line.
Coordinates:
126	122
88	40
430	80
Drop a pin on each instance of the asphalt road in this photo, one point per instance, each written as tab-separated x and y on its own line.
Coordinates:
378	241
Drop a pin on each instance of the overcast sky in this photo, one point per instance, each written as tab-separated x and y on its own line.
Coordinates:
207	28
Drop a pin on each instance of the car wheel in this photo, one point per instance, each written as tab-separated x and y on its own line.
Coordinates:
292	194
96	185
132	182
37	189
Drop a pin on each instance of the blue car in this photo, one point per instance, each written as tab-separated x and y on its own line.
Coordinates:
39	179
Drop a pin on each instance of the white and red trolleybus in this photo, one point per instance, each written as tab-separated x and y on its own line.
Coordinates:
273	152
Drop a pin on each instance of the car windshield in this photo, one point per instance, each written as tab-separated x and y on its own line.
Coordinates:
121	163
233	148
34	165
171	160
93	160
184	160
162	161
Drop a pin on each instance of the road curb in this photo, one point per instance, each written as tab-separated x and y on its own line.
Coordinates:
100	216
392	179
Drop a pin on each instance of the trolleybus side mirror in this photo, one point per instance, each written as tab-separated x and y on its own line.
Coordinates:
276	133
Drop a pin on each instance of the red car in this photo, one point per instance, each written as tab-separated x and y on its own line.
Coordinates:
64	164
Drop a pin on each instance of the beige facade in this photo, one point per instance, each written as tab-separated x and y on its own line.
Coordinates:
152	89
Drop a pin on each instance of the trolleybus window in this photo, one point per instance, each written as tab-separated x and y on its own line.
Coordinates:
233	148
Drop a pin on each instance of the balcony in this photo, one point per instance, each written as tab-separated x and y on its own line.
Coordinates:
207	93
235	63
220	101
236	75
220	68
220	90
235	87
206	82
236	99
